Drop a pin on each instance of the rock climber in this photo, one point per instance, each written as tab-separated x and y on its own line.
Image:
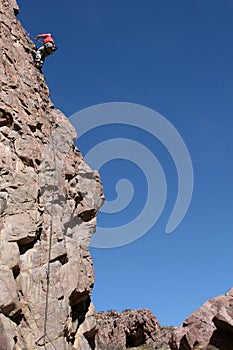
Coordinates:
47	49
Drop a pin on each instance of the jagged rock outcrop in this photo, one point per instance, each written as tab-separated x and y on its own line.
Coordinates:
49	199
208	328
137	329
211	324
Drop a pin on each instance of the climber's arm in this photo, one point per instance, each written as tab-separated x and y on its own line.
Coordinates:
43	36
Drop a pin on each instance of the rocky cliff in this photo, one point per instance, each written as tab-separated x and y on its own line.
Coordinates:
209	328
211	324
49	199
131	329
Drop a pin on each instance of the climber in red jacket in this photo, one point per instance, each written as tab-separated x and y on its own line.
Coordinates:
45	50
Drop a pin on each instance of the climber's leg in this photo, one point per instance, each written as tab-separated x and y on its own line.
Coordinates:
39	59
39	53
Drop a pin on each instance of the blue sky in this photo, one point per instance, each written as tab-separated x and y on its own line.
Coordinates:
175	57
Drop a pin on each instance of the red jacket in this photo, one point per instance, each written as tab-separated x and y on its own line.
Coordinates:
47	38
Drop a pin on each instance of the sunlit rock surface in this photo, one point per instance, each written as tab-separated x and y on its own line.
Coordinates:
49	199
209	328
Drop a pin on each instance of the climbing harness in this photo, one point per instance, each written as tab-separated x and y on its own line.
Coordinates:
50	48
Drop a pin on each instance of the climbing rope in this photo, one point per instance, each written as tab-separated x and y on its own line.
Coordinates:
49	251
51	212
50	237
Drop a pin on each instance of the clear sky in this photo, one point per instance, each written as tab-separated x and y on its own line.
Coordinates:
175	57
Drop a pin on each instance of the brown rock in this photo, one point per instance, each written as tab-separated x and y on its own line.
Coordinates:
49	199
137	329
210	324
208	328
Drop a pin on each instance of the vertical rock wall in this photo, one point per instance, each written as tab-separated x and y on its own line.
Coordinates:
49	199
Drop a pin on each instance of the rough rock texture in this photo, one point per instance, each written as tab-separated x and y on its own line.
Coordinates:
208	328
211	324
49	200
137	329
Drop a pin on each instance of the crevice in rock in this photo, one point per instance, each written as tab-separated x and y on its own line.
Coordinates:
78	198
136	336
40	208
32	128
15	338
69	176
25	246
25	107
16	127
18	317
28	50
36	127
39	231
16	12
8	309
16	271
39	126
9	58
222	337
184	344
27	161
62	258
87	215
90	337
223	325
6	118
79	303
14	86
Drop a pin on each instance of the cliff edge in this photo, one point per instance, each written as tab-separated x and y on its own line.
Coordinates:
49	199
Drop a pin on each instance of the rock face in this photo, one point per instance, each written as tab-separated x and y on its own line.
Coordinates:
211	324
137	329
49	199
208	328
